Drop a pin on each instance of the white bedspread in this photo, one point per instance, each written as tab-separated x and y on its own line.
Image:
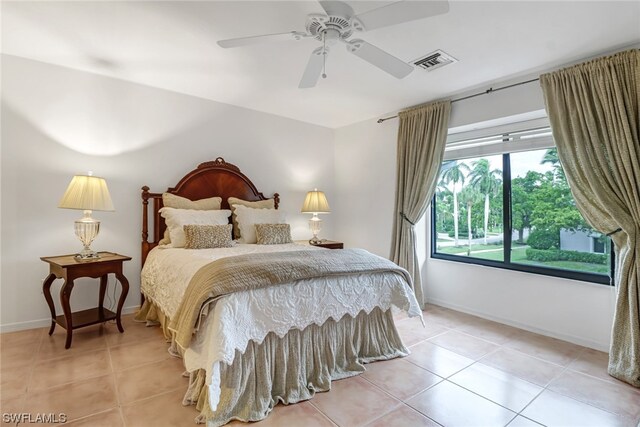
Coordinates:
238	318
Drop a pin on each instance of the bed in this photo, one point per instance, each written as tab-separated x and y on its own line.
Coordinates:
256	347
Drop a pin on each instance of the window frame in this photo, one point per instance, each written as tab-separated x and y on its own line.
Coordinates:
506	264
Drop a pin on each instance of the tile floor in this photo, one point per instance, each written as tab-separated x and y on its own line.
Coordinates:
463	371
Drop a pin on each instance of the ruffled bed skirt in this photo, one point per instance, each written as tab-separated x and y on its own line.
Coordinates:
293	368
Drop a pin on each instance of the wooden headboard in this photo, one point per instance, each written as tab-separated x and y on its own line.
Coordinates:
210	179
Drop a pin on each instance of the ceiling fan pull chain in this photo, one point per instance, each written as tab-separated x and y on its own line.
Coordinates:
324	56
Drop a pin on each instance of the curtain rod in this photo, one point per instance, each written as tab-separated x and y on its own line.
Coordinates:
486	92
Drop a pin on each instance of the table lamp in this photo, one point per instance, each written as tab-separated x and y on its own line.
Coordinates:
315	203
87	193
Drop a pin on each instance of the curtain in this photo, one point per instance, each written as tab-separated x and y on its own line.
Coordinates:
422	135
593	108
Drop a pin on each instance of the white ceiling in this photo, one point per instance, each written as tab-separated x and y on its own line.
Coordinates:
172	45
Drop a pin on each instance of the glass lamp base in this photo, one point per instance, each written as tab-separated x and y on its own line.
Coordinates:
87	253
315	224
87	229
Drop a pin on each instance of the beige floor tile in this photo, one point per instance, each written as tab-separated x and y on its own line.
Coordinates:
550	349
354	402
297	414
134	332
621	398
400	378
412	332
438	360
498	386
53	372
404	416
463	344
163	410
594	363
14	381
12	405
451	405
28	337
85	339
111	418
149	380
17	356
553	409
494	332
448	318
129	355
76	400
521	421
528	368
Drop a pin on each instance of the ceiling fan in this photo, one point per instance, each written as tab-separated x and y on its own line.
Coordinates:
338	25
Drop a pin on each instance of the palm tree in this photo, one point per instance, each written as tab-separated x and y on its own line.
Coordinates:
551	157
454	172
469	197
487	182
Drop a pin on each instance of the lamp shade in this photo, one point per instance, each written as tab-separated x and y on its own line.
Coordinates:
87	192
315	202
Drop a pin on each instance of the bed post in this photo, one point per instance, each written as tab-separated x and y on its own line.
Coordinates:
145	230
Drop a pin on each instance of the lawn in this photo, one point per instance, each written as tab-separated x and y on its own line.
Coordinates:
519	256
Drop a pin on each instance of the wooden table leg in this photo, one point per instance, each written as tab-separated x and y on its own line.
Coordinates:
103	291
46	290
123	296
65	296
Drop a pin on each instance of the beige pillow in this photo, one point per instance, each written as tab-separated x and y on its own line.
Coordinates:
176	219
208	236
260	204
249	217
172	201
273	234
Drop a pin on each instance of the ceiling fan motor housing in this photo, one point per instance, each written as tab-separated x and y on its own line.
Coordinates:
330	27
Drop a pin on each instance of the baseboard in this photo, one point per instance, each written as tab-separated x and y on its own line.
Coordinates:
42	323
565	337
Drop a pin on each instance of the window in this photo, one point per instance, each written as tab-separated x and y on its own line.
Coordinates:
503	200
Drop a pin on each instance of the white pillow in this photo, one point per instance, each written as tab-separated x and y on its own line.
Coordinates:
176	219
249	217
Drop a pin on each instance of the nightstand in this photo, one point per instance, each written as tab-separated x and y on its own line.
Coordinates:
327	244
69	268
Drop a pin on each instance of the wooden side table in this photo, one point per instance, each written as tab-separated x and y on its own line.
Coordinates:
69	268
327	244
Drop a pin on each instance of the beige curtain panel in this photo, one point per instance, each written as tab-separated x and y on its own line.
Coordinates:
593	108
422	135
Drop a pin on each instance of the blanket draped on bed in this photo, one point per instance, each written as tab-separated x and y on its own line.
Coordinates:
256	271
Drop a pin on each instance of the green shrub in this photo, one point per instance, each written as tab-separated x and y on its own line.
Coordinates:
542	255
544	239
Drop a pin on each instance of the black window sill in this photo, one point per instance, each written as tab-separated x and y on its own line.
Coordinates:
552	272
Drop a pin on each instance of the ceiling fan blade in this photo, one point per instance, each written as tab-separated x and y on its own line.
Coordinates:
399	12
313	70
337	8
244	41
379	58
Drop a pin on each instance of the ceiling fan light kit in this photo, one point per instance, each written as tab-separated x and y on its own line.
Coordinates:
339	24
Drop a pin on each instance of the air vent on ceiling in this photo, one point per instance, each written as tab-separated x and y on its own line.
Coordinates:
434	60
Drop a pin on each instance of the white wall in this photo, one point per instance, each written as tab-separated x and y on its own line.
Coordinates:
57	122
365	176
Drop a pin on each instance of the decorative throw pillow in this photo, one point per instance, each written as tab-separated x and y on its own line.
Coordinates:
207	236
249	217
172	201
260	204
273	234
176	219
